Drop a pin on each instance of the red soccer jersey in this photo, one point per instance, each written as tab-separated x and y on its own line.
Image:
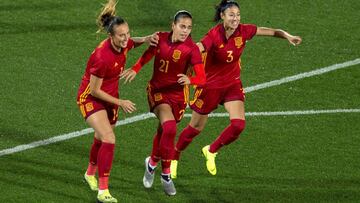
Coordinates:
107	63
172	59
222	62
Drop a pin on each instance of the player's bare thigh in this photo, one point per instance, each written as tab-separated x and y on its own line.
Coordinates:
97	136
164	112
103	129
236	109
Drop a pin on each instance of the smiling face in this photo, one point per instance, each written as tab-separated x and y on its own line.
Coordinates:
121	35
181	29
231	17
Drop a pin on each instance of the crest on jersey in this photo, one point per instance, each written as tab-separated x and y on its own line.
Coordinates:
238	42
158	97
176	55
89	107
221	46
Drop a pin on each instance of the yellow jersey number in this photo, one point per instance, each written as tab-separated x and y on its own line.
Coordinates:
164	66
230	57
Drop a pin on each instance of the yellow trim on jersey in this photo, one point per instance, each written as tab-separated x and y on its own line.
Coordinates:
82	110
115	112
151	99
204	56
196	95
186	91
84	95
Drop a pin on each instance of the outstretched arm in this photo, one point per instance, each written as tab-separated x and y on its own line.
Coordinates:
201	47
152	39
130	73
264	31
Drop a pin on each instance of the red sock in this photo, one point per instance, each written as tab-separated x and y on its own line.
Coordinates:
229	135
185	138
105	158
167	144
91	170
103	183
165	164
155	153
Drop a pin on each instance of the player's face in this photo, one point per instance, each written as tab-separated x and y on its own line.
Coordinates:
121	35
231	17
182	29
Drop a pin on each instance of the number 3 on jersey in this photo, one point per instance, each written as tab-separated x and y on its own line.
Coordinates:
230	57
164	65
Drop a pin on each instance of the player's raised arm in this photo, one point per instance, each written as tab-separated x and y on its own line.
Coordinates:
131	73
152	40
264	31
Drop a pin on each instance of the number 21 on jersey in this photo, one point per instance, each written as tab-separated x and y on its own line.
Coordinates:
164	66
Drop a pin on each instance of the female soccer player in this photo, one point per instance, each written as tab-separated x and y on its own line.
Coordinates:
223	45
98	96
167	91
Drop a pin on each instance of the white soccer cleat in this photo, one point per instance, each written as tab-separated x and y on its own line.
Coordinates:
168	186
148	178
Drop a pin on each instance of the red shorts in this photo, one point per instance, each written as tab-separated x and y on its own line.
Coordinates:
175	98
90	106
207	100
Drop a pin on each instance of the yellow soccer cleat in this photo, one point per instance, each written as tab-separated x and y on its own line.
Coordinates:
106	197
92	182
173	168
210	160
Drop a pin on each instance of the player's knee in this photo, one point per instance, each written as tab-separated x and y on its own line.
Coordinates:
199	126
108	137
238	125
189	133
169	128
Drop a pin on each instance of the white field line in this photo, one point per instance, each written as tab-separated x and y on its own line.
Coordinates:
144	116
303	75
288	113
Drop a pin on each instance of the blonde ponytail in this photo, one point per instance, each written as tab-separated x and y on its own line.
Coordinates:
106	17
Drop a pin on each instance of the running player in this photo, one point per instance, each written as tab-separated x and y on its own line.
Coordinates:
167	91
222	47
98	96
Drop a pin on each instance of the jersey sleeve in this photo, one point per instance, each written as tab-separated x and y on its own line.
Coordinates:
98	67
249	31
145	58
132	44
207	41
200	77
195	56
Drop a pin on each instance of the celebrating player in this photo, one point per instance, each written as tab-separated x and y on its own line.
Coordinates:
167	91
98	96
223	46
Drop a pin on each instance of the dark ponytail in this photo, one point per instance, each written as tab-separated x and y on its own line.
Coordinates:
222	6
182	14
107	18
